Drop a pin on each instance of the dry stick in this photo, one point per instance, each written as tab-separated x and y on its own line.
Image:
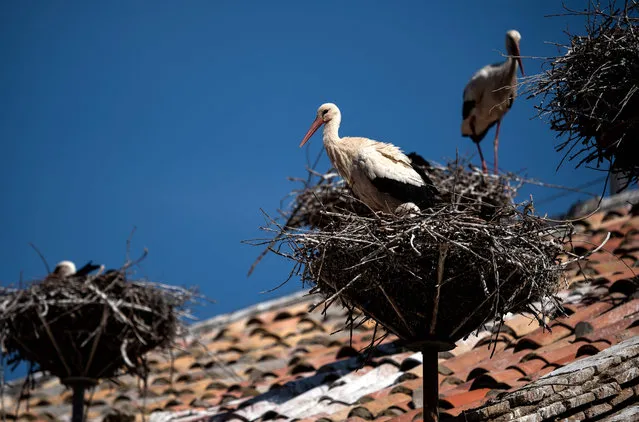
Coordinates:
46	265
479	307
86	410
130	264
17	340
399	314
96	340
369	348
171	368
55	345
430	378
589	253
497	297
125	357
112	305
24	389
128	245
443	252
275	239
145	381
336	295
293	214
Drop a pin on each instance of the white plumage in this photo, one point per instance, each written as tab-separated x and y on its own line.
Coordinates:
379	173
490	94
64	269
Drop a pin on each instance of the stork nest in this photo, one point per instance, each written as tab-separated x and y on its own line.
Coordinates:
457	181
590	95
430	277
89	327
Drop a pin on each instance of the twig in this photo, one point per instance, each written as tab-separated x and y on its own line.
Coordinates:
55	345
396	309
44	261
96	341
441	266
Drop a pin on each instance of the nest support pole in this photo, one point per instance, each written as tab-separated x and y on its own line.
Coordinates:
430	386
430	350
79	386
78	403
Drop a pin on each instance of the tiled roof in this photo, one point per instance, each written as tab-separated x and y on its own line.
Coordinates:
278	361
604	384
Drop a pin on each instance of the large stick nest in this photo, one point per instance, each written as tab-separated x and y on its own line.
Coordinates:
590	94
435	276
89	327
457	181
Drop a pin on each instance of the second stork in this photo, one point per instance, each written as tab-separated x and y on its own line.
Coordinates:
490	94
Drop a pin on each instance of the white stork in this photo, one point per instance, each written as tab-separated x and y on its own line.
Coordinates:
490	94
64	269
379	173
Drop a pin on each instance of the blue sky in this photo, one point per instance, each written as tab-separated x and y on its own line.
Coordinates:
183	119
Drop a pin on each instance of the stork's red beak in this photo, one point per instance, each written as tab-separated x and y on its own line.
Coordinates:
521	65
316	124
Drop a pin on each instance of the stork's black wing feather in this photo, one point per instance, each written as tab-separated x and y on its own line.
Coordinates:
87	269
419	161
467	108
428	183
422	196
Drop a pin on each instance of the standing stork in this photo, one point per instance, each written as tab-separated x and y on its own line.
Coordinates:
490	94
379	173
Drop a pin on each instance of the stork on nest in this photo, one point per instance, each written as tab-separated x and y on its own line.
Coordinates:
590	94
83	327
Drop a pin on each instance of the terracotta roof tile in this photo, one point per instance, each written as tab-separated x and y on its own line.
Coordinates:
462	363
529	367
412	416
393	405
521	325
463	398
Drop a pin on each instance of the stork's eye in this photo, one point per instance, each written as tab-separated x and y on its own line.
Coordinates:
324	112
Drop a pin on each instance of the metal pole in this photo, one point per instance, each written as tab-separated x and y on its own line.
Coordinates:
430	386
430	363
78	402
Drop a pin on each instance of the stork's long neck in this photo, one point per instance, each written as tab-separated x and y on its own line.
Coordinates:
511	63
511	66
336	149
331	132
506	73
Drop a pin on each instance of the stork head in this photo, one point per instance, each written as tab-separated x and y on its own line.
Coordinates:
325	113
64	269
513	37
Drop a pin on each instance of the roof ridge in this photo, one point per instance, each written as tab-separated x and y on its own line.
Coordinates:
592	380
630	196
230	317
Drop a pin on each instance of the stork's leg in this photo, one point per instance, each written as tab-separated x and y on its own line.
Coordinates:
496	144
484	167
